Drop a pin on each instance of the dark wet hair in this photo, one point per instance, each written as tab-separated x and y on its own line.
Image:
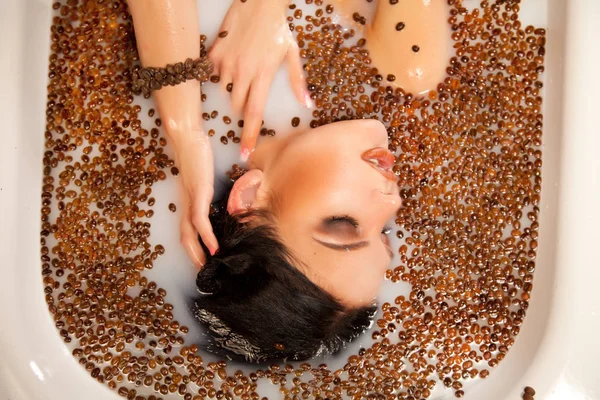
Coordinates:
258	306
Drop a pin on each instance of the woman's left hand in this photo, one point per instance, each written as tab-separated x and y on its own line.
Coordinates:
193	155
254	39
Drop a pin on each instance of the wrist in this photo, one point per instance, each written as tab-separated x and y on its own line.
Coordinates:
191	145
180	110
183	133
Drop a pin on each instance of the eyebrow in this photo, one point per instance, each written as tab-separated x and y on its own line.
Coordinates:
349	247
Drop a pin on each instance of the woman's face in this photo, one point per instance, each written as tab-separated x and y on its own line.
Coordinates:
333	192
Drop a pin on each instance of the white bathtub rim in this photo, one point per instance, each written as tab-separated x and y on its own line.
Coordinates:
562	365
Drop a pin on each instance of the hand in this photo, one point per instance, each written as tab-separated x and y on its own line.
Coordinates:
194	159
258	39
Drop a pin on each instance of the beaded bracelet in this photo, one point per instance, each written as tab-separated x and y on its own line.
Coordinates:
145	80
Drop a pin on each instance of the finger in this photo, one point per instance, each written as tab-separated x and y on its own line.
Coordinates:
188	235
222	65
257	100
189	241
200	190
296	75
204	227
226	75
218	52
241	86
215	56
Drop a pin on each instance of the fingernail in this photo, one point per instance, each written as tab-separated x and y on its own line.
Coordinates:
308	102
212	251
245	154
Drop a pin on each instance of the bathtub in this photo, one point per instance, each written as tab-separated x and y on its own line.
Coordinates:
556	352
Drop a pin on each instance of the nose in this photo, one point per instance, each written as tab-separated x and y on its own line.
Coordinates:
385	206
392	201
377	130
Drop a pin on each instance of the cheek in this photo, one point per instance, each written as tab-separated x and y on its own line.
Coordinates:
359	286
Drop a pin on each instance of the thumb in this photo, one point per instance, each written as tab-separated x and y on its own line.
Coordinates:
296	75
188	234
201	221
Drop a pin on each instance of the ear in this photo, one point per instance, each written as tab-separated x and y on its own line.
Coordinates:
245	192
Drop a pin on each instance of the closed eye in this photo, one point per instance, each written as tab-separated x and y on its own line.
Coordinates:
336	219
343	247
350	246
344	228
340	228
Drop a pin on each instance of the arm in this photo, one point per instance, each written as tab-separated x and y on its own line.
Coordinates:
167	32
258	40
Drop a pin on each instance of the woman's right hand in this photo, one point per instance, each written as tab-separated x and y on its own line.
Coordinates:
255	40
194	159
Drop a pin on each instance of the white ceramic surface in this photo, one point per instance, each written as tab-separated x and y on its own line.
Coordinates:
557	350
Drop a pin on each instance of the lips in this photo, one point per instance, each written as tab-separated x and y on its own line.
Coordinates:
382	160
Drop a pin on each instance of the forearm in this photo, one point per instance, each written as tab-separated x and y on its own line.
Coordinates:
167	32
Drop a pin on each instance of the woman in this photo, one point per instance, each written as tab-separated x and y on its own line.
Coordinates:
301	252
302	242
